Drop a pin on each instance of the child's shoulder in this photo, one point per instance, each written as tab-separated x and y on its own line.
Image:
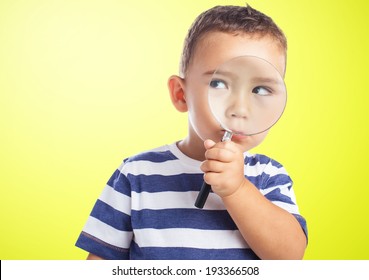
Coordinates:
163	161
265	172
260	159
159	154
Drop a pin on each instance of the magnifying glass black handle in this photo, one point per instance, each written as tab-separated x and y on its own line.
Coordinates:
205	188
203	195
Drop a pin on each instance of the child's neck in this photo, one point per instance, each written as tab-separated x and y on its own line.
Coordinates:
192	148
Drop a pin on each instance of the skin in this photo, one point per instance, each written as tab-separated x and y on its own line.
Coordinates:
93	257
270	231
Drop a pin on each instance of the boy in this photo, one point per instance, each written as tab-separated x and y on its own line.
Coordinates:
147	211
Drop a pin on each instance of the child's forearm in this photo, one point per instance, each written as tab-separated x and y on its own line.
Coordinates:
93	257
270	231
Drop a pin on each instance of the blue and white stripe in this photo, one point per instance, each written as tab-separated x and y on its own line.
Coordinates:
146	210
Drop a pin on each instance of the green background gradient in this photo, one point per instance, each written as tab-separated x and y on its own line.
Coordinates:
83	85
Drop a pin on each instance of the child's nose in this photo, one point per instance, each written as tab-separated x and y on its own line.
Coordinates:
239	108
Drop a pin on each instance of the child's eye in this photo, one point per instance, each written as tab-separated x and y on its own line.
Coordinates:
263	91
217	84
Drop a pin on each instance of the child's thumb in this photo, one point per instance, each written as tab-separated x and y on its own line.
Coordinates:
209	143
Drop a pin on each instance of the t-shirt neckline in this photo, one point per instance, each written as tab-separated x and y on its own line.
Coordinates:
182	157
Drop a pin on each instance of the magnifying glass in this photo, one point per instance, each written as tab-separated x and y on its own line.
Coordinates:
247	96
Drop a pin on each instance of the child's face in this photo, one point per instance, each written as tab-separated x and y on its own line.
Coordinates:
213	50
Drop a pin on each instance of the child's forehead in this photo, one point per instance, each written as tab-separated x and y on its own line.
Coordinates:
214	36
241	40
215	47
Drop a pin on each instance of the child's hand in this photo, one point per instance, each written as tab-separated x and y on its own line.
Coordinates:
223	167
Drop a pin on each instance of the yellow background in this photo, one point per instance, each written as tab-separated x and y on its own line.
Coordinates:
83	85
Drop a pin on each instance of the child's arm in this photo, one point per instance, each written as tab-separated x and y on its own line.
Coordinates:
93	257
270	231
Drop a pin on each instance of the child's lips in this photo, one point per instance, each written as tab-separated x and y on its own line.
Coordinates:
237	135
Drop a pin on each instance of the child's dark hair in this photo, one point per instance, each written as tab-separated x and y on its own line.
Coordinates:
229	19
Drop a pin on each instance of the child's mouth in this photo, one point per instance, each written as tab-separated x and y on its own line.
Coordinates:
236	135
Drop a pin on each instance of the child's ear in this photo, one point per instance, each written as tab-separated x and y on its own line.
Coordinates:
176	87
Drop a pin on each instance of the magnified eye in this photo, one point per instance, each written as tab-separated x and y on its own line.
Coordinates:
217	84
263	91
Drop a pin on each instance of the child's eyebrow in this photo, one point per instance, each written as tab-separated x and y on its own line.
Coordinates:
221	73
266	80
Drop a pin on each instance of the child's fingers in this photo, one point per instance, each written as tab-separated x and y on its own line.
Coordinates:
229	145
212	166
219	154
211	178
209	144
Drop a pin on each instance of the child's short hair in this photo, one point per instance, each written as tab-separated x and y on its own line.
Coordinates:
230	19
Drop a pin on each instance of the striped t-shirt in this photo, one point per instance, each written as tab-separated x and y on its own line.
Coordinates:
146	210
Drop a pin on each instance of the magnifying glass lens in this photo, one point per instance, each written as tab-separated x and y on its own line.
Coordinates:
247	95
